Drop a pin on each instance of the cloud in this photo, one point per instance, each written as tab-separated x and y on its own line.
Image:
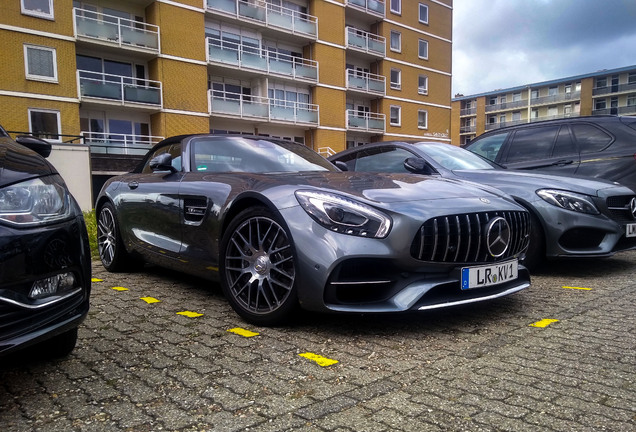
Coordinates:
507	43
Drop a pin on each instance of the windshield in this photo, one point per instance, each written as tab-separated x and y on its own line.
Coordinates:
454	158
254	155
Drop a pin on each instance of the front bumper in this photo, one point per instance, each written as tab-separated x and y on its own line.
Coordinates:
341	273
30	256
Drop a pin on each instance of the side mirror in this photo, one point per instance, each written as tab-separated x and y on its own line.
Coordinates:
38	145
417	166
163	162
341	165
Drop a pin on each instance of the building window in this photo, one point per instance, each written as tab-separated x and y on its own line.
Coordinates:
422	85
516	97
534	114
601	82
516	115
631	78
40	63
422	49
503	99
567	110
396	115
502	119
631	100
568	88
45	124
396	79
422	119
396	41
534	94
38	8
553	111
423	14
600	104
553	91
396	6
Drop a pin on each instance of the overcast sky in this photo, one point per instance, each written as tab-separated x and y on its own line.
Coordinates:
507	43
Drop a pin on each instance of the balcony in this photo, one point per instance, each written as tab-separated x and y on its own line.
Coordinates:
366	82
365	122
467	111
254	59
119	90
506	105
561	97
467	129
114	143
271	16
620	88
375	8
241	106
365	42
114	31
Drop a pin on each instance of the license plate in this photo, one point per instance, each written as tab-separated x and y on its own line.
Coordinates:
487	275
630	230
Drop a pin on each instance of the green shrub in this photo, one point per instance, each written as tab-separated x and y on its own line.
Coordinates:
91	226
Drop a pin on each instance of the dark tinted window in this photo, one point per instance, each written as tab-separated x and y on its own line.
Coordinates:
489	146
383	160
532	144
564	145
590	138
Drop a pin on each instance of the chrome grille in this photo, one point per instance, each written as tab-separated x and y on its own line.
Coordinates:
618	207
461	238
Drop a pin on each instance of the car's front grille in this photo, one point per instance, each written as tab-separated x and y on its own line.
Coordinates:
462	238
619	209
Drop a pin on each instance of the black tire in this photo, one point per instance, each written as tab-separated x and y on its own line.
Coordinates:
535	255
112	251
60	345
258	268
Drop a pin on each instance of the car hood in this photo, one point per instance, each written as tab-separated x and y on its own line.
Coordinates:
514	181
19	163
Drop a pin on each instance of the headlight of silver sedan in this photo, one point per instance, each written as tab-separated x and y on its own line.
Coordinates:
569	200
34	202
343	215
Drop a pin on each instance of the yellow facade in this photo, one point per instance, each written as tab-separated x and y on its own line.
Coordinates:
139	71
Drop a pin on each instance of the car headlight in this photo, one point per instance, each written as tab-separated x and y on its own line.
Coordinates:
340	214
34	202
568	200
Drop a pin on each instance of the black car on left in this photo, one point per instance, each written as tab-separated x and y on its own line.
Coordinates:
45	264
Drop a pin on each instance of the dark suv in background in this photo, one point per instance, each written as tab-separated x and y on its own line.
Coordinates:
595	146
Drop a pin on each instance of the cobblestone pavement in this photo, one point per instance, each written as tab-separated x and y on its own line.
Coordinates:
141	366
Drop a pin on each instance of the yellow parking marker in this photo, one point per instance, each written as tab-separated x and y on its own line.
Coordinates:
97	280
578	288
120	289
150	300
322	361
544	322
190	314
242	332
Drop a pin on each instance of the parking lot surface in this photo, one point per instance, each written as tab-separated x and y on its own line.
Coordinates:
162	351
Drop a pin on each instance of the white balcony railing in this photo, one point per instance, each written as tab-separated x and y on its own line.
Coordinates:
119	143
269	15
366	82
366	42
373	7
366	122
124	90
256	59
115	30
242	106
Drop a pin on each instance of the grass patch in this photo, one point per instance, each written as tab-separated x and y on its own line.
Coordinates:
91	226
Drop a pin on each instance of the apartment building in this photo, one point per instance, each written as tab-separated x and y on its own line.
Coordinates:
117	76
604	92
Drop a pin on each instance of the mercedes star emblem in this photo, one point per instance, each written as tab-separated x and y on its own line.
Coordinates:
497	236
